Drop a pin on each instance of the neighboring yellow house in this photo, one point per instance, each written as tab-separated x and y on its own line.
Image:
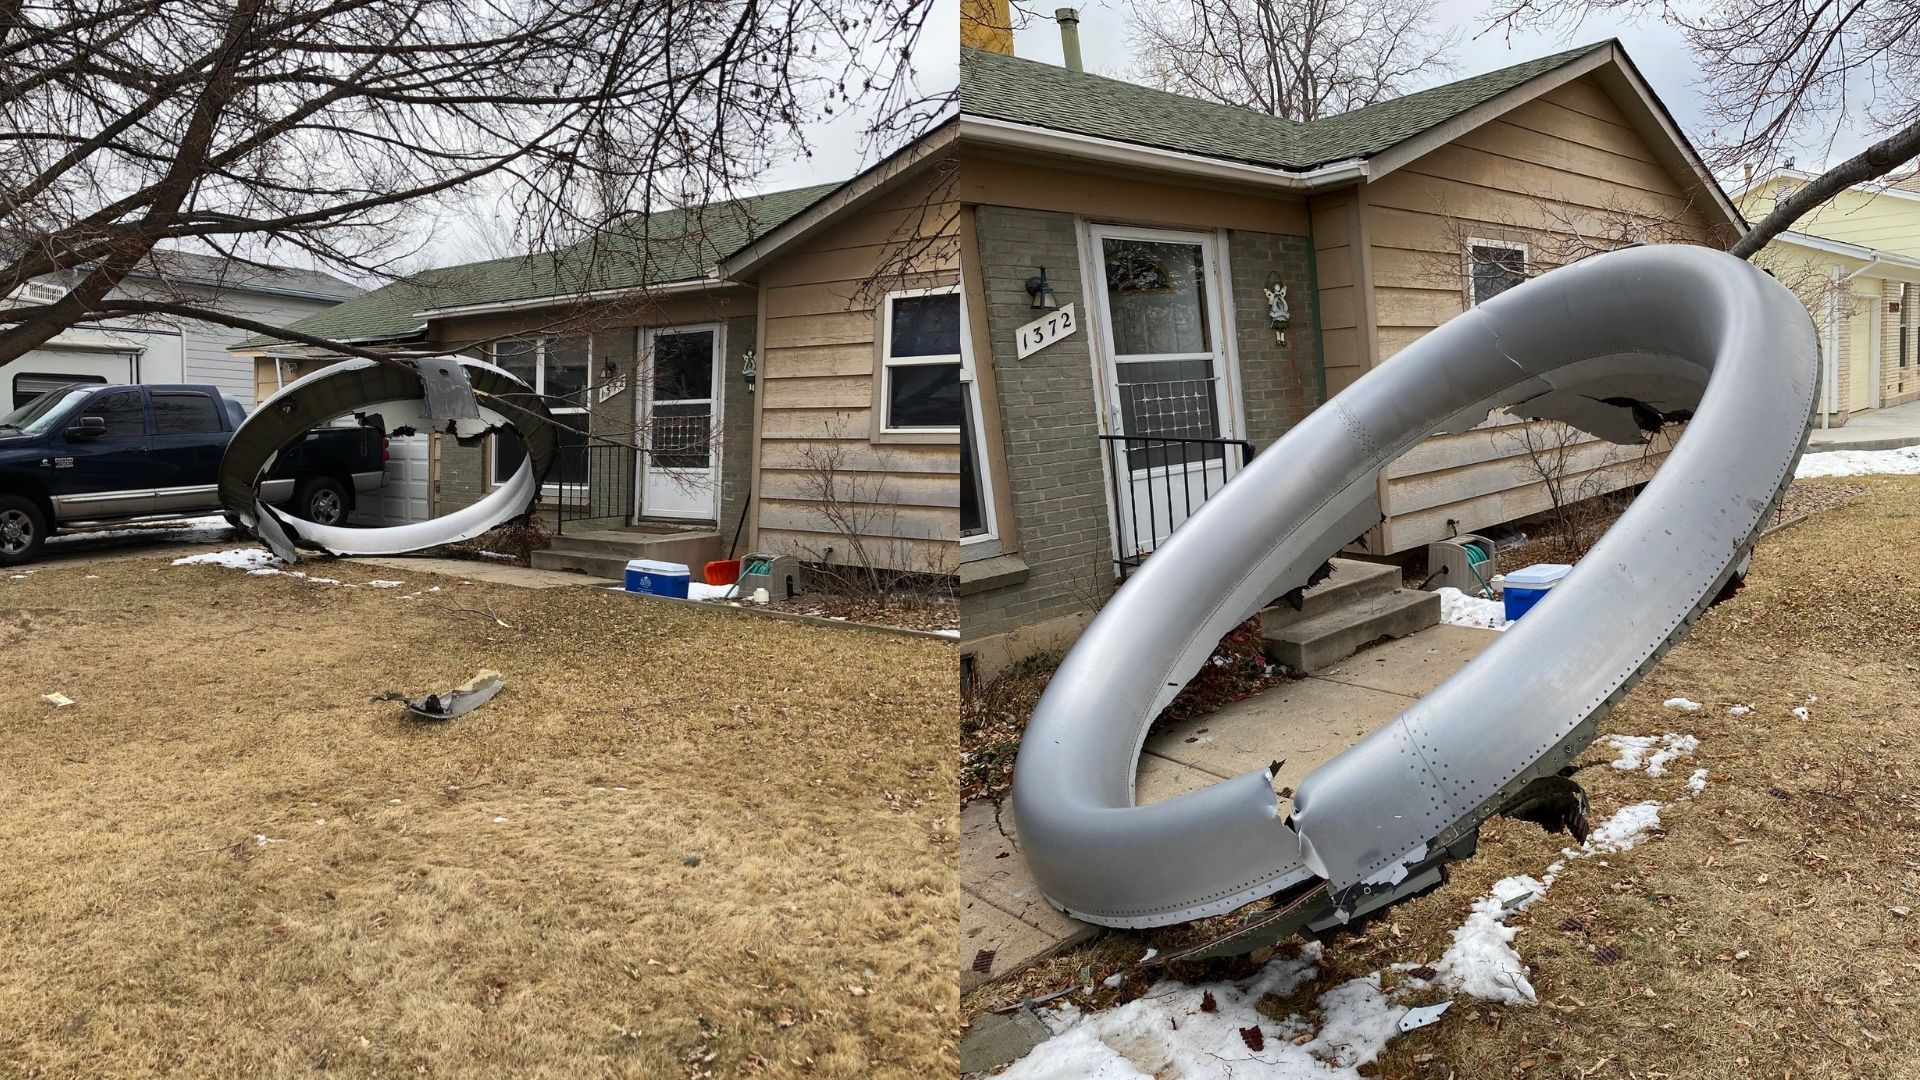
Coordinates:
1855	263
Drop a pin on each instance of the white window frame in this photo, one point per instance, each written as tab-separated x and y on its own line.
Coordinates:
1526	262
540	388
982	467
888	361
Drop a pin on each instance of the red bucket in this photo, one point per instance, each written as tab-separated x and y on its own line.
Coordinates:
723	572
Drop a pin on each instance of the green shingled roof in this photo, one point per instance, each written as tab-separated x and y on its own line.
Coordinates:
646	249
1042	95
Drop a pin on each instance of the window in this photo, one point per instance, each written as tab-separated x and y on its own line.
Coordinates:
28	385
921	385
123	412
1906	324
179	412
559	370
1493	267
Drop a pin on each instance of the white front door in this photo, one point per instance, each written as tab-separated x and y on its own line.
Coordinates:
680	469
1167	377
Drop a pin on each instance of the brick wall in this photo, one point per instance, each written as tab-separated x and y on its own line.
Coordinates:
1050	419
1050	426
1280	384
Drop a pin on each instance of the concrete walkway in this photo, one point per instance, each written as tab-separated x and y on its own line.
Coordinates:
1879	429
494	573
1005	925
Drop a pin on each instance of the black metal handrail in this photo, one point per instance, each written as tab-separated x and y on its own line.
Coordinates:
590	482
1159	464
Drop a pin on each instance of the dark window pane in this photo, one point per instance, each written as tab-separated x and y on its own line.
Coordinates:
178	413
519	358
973	511
566	372
681	437
1157	296
683	366
570	460
923	396
926	325
1495	270
124	414
508	453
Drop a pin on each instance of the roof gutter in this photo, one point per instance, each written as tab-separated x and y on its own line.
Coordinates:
1007	135
670	288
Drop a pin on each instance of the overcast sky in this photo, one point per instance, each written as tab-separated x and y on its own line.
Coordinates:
1657	49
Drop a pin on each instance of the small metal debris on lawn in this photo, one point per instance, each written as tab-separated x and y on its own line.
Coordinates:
458	701
59	699
1421	1017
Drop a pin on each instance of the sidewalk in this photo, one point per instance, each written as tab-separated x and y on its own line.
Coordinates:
1006	926
1880	429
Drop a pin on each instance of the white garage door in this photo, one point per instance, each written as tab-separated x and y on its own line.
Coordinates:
403	500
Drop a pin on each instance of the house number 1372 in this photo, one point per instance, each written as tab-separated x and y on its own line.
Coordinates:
1046	330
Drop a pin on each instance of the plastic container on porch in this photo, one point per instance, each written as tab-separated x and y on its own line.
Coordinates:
658	578
1526	586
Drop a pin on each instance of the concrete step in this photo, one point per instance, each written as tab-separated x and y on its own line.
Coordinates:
1352	580
605	553
1330	637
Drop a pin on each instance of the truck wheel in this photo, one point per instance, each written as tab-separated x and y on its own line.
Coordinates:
321	500
23	528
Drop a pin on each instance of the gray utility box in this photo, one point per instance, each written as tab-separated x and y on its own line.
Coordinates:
780	575
1448	563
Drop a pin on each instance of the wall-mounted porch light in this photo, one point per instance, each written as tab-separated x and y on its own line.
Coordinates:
608	369
1042	292
749	369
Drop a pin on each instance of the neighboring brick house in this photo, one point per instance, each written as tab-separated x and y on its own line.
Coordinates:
1855	262
1170	226
719	362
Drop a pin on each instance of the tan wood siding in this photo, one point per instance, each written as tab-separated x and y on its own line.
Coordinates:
1107	194
816	393
1566	166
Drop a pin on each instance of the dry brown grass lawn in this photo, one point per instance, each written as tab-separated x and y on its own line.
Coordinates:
1759	935
728	843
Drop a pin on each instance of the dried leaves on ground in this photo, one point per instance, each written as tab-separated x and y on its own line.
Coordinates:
1767	929
680	842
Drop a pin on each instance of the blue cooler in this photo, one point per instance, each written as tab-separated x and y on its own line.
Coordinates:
1524	587
658	578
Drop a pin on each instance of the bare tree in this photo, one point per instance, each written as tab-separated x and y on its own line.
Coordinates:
1781	74
1301	59
318	131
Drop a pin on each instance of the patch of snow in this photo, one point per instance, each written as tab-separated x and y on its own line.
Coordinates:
248	559
1634	751
499	821
1682	703
498	556
1899	462
1624	829
1459	609
1739	710
262	840
1170	1032
379	584
1482	962
700	590
1697	783
1800	712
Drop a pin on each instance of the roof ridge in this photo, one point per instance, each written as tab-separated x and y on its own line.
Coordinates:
1551	61
1135	87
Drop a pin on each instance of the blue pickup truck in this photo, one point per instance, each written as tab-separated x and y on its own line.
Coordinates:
88	454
